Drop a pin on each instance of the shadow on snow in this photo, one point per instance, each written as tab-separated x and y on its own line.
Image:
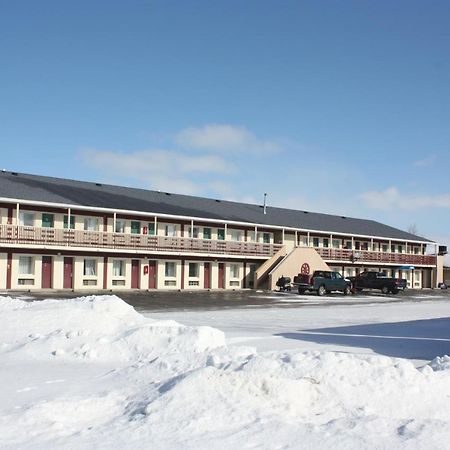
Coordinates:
417	339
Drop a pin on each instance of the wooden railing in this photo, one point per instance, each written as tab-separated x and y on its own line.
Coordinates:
331	254
12	234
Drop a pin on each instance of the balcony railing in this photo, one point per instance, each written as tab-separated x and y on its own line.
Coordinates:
365	256
13	234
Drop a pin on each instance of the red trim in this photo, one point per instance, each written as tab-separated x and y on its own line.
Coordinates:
182	274
105	272
8	271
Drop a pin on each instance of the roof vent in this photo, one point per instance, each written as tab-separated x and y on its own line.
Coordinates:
167	193
98	184
14	173
305	212
218	201
343	217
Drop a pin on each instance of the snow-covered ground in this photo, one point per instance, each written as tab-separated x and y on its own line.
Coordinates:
93	373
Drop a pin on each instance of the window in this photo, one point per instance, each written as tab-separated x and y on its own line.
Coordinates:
171	230
400	248
170	269
26	219
348	245
236	235
135	227
118	268
221	234
47	221
335	243
91	224
26	265
193	270
416	250
315	242
266	238
207	233
72	222
357	245
120	226
392	248
326	242
384	248
365	246
193	232
90	267
234	270
151	228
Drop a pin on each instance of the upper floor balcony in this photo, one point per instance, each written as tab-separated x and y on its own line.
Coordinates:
100	240
366	256
58	238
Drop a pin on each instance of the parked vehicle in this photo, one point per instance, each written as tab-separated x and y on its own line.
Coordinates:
378	280
323	282
284	283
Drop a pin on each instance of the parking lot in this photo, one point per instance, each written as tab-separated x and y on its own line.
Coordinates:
211	300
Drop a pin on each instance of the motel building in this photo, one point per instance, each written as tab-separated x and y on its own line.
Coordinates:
64	234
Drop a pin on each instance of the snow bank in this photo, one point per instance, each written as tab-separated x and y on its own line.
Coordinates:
96	327
162	385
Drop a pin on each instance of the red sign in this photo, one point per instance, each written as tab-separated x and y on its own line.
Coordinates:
305	269
145	270
144	230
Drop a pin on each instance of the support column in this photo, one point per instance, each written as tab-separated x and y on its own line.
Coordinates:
8	270
105	272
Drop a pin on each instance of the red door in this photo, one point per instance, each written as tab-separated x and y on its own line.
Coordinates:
46	272
221	276
152	274
207	275
68	273
134	274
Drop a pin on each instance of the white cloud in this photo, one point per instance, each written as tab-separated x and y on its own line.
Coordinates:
391	198
225	137
159	169
426	162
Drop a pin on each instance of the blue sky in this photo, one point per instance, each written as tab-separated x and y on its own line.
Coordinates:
331	106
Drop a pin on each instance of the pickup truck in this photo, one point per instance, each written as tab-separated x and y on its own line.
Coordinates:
378	280
322	282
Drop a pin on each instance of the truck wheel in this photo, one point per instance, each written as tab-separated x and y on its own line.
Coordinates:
385	290
347	290
394	291
321	291
301	291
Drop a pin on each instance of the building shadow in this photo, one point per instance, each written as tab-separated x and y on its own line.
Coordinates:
417	339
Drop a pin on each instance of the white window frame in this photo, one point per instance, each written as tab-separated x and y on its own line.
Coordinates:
87	269
89	221
26	265
122	222
121	264
236	235
166	265
170	230
27	219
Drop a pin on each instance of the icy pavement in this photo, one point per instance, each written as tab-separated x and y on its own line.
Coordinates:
94	373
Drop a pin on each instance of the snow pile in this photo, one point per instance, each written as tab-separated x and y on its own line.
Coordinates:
125	381
96	327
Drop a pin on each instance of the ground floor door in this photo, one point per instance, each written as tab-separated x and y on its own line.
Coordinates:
152	274
134	274
68	273
221	276
207	275
46	282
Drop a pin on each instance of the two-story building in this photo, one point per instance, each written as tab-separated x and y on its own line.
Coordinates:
65	234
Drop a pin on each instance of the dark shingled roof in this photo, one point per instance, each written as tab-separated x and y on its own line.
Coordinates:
81	193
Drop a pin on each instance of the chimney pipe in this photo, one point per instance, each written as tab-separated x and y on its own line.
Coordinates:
265	206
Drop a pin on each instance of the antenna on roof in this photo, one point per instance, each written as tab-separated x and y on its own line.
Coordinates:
265	206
